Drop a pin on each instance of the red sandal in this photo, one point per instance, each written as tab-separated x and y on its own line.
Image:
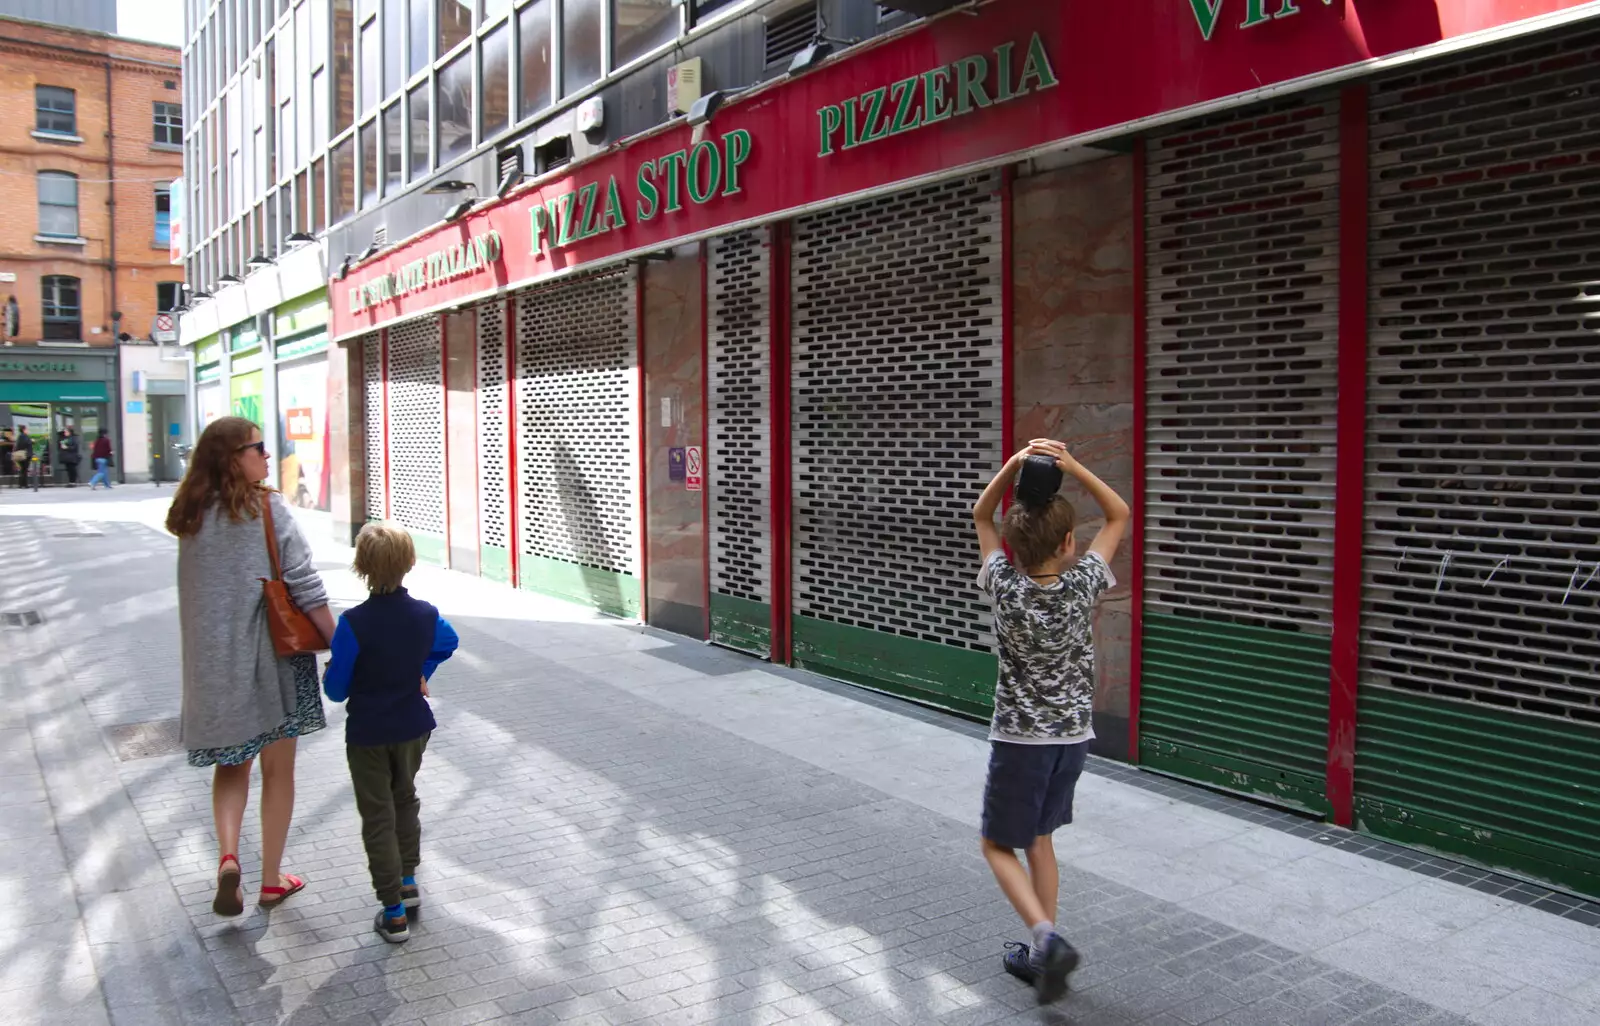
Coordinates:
230	896
272	897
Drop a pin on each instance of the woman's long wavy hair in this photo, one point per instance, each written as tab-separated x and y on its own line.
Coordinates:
214	477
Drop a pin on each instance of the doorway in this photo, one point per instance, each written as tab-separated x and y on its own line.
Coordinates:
168	420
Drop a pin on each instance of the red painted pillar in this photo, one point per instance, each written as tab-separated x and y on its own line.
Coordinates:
388	486
1008	395
705	429
511	435
1350	465
644	453
782	618
1136	532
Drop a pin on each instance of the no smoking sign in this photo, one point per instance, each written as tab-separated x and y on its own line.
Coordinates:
694	470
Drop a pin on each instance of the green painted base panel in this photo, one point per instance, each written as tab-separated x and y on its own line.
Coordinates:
1237	707
494	563
741	624
1498	787
605	590
431	548
938	675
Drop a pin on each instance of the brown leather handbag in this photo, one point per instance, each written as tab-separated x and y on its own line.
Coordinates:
293	633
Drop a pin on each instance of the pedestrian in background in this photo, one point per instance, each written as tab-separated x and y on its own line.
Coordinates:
384	653
22	455
71	455
240	700
8	442
1044	696
101	454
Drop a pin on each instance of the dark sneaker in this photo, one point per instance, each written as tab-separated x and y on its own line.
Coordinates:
412	898
394	930
1060	959
1019	963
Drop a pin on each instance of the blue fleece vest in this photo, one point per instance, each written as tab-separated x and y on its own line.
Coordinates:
395	634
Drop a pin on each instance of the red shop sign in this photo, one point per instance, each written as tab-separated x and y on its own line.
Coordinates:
964	89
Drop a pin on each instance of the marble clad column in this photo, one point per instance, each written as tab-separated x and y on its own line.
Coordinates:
461	431
1073	370
347	444
673	337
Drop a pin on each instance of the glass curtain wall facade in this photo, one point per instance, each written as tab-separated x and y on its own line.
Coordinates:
307	111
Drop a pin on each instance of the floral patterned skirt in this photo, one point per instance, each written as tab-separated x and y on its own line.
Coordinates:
307	718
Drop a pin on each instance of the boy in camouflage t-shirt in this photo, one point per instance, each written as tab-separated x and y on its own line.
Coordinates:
1044	699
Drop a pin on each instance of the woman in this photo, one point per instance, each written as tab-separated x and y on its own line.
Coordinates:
71	455
240	701
101	454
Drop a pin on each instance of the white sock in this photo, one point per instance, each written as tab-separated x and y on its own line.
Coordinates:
1042	932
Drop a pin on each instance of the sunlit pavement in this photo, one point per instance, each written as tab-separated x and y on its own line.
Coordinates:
625	827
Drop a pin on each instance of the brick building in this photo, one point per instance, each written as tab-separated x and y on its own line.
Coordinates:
91	132
86	181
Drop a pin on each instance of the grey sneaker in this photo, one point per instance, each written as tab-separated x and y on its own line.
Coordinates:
395	930
1059	962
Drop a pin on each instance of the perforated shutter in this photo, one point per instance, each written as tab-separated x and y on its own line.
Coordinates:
372	422
577	441
416	435
740	437
1242	233
1479	704
897	420
494	454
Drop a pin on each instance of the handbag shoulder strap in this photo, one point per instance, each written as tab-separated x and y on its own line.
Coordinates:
272	534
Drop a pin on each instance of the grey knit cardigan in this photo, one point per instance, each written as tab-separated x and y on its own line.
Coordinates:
235	687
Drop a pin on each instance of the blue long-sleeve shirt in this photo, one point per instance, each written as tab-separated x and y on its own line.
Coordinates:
382	650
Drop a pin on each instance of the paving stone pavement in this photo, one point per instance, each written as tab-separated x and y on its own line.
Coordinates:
624	827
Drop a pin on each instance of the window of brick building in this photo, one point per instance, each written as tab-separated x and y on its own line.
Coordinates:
58	204
163	217
169	124
167	295
58	301
56	110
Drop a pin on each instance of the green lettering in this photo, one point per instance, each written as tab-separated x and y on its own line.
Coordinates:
647	191
1205	13
971	93
705	161
1254	13
935	98
829	119
569	219
589	222
494	245
870	130
614	217
904	93
1002	58
675	163
738	143
1037	74
470	256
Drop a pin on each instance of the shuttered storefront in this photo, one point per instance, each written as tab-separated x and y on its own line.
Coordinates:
896	423
372	423
739	422
494	444
577	402
1241	226
414	418
1479	698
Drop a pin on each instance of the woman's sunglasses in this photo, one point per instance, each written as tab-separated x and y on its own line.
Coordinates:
260	447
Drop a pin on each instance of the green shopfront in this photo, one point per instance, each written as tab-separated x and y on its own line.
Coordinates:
48	390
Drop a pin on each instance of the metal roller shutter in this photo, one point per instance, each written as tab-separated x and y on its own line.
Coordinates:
415	413
1242	242
1479	700
740	421
578	441
897	425
494	454
372	423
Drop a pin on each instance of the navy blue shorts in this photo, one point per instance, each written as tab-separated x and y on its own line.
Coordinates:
1029	793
